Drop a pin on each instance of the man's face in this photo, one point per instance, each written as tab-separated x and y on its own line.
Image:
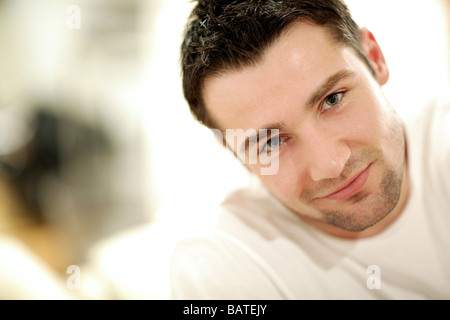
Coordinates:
339	145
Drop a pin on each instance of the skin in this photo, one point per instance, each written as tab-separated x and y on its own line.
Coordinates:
322	146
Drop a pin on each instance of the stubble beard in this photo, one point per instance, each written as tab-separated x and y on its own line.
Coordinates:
369	208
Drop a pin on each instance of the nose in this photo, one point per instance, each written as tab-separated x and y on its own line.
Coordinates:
326	155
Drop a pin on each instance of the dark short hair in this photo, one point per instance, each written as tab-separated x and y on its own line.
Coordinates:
224	35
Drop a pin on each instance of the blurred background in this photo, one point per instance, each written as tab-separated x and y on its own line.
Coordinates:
96	138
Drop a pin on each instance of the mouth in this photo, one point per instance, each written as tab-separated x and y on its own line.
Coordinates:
351	187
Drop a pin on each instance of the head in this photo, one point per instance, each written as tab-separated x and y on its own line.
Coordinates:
308	74
223	35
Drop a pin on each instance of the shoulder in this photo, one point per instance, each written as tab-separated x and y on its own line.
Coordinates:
220	267
438	142
255	205
429	128
438	110
230	262
437	125
428	135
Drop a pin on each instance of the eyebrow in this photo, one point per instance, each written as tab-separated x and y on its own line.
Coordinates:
315	97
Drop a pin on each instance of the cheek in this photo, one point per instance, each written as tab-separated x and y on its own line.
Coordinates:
287	184
374	125
394	145
362	123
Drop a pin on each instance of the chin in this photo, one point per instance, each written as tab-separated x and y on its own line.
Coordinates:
368	210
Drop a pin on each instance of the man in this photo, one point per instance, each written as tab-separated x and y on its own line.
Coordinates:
359	201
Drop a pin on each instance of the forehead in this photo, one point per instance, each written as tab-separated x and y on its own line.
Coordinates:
290	69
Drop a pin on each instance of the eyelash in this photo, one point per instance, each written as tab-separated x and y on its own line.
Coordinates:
282	140
335	106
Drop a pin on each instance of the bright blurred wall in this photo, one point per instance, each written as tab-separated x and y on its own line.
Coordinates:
414	36
82	62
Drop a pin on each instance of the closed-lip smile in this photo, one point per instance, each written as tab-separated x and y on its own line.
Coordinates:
351	187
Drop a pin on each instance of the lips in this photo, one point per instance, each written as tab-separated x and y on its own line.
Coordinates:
352	187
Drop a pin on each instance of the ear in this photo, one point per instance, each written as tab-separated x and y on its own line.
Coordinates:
375	55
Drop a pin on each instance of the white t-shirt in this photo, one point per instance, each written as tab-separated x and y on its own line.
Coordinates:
261	250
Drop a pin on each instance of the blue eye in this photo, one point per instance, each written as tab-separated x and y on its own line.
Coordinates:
332	100
272	144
